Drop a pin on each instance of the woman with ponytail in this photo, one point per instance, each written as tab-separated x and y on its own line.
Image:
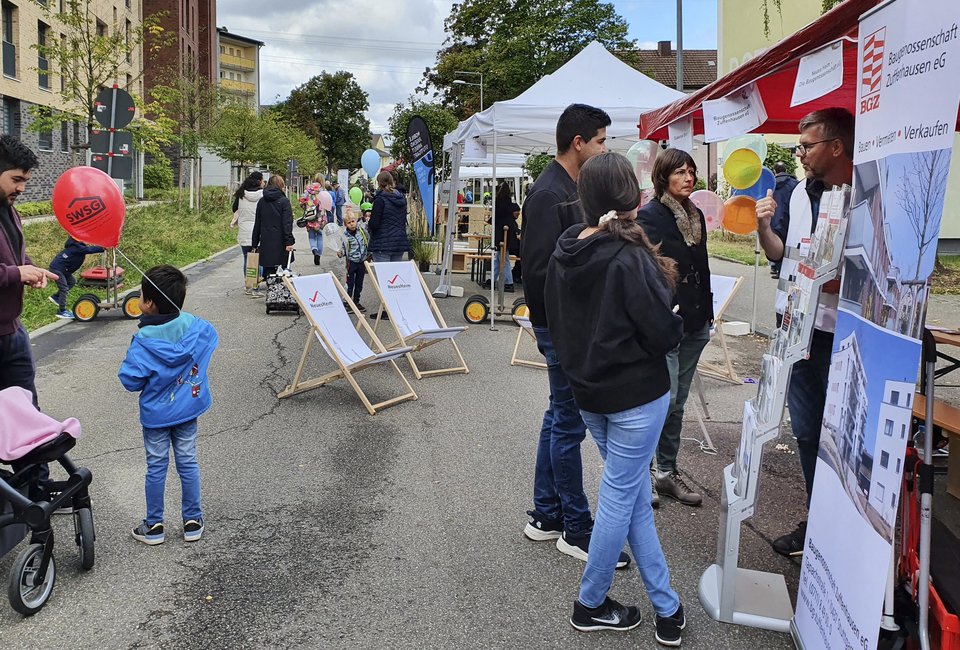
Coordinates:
609	294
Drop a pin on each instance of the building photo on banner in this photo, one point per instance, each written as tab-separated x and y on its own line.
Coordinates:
908	91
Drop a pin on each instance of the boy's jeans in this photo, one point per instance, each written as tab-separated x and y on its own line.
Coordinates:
316	240
355	273
627	441
387	257
65	282
157	443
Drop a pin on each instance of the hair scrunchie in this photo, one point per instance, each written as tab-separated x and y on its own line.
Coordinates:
609	216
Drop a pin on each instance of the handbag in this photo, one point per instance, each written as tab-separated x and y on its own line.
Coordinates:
252	278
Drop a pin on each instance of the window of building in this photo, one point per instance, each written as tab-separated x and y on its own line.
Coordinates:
893	499
884	459
63	78
878	487
101	28
8	14
11	116
45	140
888	428
126	38
43	65
898	465
129	85
895	397
64	137
903	431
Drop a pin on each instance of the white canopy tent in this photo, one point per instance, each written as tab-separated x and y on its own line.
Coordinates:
527	123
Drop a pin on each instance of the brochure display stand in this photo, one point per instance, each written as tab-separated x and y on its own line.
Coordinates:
729	593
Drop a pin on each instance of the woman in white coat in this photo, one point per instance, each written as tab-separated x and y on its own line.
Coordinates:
244	214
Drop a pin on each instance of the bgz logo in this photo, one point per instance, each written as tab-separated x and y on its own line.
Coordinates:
871	74
396	282
85	208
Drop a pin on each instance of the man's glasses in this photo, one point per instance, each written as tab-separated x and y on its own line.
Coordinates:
804	148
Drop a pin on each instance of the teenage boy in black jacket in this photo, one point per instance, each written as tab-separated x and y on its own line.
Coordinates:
560	507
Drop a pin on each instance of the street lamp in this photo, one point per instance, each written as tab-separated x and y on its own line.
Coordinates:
461	82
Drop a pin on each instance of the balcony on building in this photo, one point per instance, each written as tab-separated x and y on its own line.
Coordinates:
238	62
239	87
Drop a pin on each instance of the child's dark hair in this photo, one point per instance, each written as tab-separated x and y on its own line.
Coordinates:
582	120
171	282
15	155
607	182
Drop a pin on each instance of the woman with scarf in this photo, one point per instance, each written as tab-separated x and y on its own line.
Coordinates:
677	225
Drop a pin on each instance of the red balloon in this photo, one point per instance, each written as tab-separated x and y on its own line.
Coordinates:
89	206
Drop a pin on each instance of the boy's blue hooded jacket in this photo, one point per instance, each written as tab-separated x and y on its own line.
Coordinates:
168	364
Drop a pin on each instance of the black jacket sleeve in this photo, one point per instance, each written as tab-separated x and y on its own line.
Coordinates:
255	238
376	216
648	303
286	221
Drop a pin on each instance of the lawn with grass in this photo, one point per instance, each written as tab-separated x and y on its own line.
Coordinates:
737	248
169	233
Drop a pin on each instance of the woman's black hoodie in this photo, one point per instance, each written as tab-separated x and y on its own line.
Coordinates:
608	311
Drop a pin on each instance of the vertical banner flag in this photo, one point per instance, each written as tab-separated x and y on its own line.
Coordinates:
421	153
908	90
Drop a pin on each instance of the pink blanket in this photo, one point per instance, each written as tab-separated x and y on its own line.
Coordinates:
23	427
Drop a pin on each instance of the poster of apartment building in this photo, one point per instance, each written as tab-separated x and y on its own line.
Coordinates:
907	100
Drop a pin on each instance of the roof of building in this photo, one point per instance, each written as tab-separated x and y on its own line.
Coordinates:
237	37
699	66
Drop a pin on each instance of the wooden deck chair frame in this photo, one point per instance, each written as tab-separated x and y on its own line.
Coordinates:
723	372
345	371
412	340
515	360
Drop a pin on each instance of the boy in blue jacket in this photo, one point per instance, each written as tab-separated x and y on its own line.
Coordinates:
167	363
65	264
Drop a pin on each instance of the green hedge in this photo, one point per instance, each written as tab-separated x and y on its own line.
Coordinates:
158	176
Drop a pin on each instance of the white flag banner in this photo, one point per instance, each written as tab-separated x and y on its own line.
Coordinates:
907	98
681	134
819	73
738	113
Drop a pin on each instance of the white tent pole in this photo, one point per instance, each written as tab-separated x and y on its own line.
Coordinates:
443	288
493	227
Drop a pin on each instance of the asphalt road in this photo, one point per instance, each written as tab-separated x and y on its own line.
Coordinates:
328	528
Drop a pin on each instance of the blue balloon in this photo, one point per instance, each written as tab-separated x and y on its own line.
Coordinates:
370	161
758	190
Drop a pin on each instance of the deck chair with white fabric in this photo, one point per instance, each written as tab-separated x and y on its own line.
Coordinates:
525	329
723	288
322	297
413	314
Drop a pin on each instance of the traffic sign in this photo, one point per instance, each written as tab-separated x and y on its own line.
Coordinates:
114	108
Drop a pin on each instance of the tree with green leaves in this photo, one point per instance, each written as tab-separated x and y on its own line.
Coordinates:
513	44
330	109
90	57
825	6
777	153
440	121
534	165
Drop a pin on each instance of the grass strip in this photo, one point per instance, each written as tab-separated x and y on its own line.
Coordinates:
169	233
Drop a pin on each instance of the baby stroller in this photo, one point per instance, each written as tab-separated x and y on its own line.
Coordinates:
28	440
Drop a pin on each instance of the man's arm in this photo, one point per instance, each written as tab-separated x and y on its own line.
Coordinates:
771	240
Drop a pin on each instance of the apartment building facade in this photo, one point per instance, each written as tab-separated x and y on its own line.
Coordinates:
30	80
239	67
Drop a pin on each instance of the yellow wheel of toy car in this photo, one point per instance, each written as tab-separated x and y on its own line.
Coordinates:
131	305
520	308
476	309
86	308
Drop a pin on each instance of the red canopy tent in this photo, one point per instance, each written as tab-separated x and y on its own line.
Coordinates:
775	72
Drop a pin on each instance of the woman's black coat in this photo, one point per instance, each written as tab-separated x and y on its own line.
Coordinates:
273	228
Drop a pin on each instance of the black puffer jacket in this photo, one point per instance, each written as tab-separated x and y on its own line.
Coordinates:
273	228
388	223
693	288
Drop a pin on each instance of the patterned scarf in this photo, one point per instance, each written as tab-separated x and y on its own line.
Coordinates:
688	219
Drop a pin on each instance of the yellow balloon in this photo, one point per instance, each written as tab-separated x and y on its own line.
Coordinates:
740	215
742	168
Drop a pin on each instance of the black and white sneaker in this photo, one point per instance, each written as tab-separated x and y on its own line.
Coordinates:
540	529
578	547
611	615
791	544
669	627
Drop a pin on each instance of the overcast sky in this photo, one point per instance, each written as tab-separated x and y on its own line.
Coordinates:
387	45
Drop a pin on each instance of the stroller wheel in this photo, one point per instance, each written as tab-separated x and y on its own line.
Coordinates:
25	595
85	537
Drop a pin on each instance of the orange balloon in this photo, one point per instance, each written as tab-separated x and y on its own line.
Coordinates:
740	215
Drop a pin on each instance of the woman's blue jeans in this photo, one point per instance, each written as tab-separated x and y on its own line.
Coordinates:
157	443
316	241
627	441
507	269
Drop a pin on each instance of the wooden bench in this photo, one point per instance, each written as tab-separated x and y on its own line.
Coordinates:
946	417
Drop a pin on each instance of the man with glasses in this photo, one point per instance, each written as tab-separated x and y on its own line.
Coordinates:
826	153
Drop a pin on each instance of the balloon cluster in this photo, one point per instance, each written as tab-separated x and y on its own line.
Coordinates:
743	169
